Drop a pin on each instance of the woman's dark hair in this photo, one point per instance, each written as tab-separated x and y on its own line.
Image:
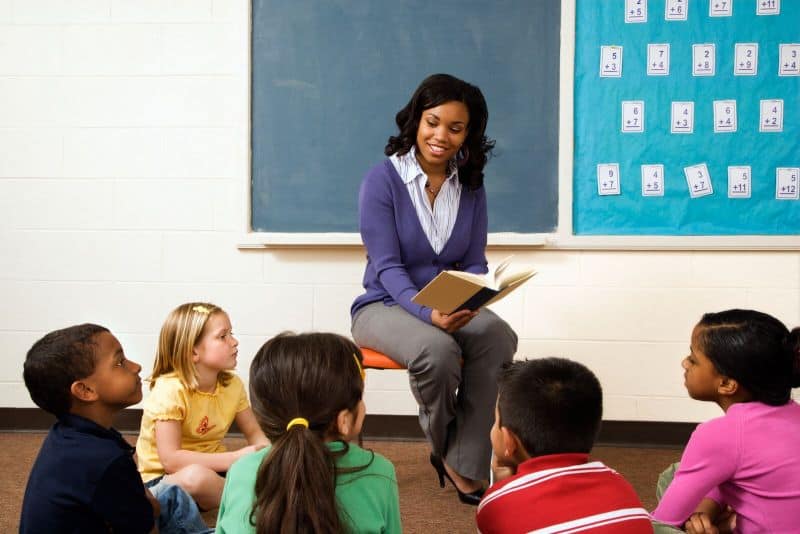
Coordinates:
434	91
756	350
313	376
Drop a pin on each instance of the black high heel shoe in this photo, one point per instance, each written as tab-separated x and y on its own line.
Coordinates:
472	498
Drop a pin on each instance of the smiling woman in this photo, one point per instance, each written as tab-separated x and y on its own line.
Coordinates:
422	211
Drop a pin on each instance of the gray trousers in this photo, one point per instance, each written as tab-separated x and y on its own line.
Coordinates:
456	401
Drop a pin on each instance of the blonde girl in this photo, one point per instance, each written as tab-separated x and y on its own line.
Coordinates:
194	399
306	392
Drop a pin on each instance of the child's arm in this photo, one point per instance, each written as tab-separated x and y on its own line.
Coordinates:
121	500
173	458
710	458
247	423
156	509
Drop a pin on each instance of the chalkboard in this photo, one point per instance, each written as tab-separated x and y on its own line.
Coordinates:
329	76
700	79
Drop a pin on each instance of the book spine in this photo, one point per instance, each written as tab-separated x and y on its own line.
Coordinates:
478	299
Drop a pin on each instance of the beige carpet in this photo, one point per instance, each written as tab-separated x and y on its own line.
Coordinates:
425	508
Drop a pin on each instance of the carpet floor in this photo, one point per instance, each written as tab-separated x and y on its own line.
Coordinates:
425	508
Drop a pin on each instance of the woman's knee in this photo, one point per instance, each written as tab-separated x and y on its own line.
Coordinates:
502	335
440	358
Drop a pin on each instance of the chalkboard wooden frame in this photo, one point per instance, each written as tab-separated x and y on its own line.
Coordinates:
488	46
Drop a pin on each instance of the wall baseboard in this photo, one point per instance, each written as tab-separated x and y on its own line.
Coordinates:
391	427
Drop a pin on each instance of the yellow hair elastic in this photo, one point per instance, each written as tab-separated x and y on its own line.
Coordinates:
201	309
360	369
297	421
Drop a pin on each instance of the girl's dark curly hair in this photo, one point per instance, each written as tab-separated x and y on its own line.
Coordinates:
436	90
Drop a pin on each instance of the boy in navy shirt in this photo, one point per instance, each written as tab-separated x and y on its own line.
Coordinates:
84	478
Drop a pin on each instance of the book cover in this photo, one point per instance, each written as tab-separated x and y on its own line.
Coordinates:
452	291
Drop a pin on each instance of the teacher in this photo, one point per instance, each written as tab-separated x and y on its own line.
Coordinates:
422	211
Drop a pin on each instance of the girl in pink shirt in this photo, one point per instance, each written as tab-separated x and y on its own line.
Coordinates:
740	472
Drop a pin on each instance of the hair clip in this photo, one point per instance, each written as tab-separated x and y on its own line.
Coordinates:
360	369
201	309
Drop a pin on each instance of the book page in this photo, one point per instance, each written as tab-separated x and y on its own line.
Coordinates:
480	279
498	271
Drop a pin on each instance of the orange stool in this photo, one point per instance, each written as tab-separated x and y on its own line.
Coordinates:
377	360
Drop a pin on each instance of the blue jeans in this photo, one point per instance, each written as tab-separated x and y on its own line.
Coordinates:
179	512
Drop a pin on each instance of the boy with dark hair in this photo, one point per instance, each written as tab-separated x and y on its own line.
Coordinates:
547	417
84	478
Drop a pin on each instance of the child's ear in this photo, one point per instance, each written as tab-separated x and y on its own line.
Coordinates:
345	420
513	445
83	391
728	386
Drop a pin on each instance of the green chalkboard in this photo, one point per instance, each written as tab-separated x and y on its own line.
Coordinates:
328	77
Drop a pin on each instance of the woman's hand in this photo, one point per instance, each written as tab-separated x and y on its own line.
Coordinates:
453	321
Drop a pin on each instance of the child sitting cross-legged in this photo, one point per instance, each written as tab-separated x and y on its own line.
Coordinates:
306	391
84	478
546	420
739	472
195	398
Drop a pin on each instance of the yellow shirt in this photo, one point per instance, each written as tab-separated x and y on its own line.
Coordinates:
205	418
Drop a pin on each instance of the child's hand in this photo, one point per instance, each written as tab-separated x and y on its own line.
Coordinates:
502	470
700	523
247	450
726	521
154	503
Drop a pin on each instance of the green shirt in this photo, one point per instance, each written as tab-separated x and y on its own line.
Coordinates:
368	499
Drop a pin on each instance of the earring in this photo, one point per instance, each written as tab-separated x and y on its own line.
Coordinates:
462	156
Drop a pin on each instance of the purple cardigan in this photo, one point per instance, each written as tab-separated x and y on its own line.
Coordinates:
400	260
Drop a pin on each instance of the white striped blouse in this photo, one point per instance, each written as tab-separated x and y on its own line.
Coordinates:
437	221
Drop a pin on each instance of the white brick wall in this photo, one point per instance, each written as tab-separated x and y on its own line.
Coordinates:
122	179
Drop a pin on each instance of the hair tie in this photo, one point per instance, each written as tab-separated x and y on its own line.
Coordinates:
360	369
201	309
297	421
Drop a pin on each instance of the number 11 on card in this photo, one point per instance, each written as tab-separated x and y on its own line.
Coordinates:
739	181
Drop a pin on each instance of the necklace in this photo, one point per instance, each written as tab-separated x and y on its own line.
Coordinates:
430	189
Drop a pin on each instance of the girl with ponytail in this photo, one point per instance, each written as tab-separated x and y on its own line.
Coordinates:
739	472
306	391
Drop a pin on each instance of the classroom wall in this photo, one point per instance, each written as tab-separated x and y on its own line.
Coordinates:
123	179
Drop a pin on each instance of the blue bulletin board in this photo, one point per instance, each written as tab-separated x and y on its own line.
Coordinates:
734	168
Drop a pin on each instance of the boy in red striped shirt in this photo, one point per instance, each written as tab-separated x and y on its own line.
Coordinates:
546	420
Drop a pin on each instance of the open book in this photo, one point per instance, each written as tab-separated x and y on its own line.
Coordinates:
452	291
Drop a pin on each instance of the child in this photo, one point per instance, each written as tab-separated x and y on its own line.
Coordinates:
306	392
546	420
84	478
741	469
194	399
